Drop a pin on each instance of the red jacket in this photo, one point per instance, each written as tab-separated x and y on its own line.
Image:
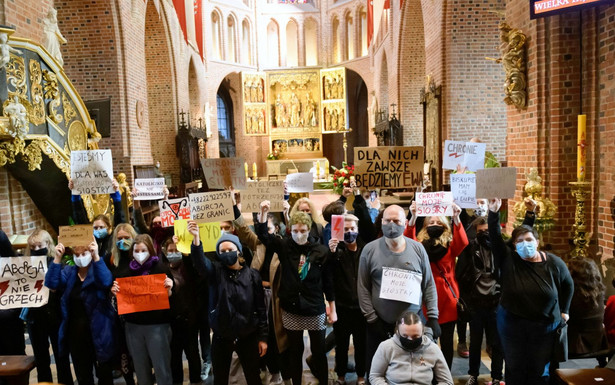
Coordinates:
609	320
447	304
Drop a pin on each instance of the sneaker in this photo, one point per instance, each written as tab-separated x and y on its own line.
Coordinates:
497	382
205	369
472	381
276	379
462	350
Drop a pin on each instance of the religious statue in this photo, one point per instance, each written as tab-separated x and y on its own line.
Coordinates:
248	122
327	87
261	122
253	90
17	114
295	110
279	112
207	114
327	120
309	115
372	110
333	120
337	87
246	91
53	37
341	124
259	92
309	146
254	121
5	50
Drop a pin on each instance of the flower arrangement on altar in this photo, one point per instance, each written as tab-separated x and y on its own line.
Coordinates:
273	155
341	177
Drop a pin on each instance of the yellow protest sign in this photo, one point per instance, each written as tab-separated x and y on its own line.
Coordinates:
210	233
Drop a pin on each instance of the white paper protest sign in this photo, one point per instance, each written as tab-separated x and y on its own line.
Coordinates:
221	173
463	187
211	207
497	182
22	282
468	154
300	182
263	190
401	285
149	189
172	209
92	171
439	203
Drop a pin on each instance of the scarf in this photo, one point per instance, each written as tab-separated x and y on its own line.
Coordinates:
145	267
435	252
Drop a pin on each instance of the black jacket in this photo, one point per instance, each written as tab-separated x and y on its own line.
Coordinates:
345	265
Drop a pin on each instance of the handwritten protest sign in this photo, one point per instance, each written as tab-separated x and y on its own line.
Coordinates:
142	293
21	282
400	285
211	206
468	154
92	171
209	233
256	192
221	173
388	167
497	182
173	209
78	235
149	188
463	187
434	203
337	227
300	182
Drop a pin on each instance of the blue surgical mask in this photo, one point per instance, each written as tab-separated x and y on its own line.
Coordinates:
124	244
526	249
101	233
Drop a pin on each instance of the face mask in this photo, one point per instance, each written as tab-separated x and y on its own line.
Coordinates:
39	252
525	249
124	244
141	257
222	232
350	236
300	238
174	257
483	238
101	233
409	343
481	210
392	230
83	260
228	258
435	231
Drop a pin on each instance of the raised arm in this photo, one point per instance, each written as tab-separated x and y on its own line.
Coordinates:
367	231
530	213
460	239
202	264
119	216
54	279
80	216
498	246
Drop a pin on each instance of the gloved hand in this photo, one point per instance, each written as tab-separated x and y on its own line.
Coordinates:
435	327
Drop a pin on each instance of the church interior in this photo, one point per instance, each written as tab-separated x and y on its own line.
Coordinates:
296	85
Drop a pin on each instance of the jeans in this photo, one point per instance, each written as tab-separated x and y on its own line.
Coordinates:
150	345
185	339
484	320
295	355
247	351
527	346
349	322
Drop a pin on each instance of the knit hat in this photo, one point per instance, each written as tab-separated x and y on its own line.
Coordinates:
228	238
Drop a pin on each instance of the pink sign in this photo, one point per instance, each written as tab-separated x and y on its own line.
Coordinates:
337	227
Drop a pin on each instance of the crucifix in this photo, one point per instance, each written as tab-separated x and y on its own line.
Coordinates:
182	121
345	144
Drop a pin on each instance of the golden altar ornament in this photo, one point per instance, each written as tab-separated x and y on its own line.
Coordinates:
546	213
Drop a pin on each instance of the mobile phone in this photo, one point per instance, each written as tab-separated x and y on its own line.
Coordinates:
373	195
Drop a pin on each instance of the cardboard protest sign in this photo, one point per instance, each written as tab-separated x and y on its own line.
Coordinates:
265	190
149	189
300	182
211	206
173	209
497	182
463	187
221	173
209	233
92	171
337	227
468	154
21	282
434	203
388	167
78	235
142	293
401	285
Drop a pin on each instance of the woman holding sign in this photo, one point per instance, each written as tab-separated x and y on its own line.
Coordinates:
148	332
88	329
443	246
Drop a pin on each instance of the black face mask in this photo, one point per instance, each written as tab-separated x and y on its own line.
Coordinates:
483	238
410	344
228	258
435	231
39	252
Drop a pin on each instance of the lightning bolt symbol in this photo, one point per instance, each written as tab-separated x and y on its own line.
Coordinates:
456	154
39	285
337	226
4	286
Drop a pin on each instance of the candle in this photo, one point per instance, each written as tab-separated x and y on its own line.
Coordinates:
581	151
246	167
317	170
326	168
254	174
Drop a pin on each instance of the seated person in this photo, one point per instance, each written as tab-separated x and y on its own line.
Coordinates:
409	357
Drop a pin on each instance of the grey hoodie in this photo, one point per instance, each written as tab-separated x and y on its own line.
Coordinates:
394	365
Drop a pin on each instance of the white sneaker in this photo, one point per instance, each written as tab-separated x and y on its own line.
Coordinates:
205	369
276	379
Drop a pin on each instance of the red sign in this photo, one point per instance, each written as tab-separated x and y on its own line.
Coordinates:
142	293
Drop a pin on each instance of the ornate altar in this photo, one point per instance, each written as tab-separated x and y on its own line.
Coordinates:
546	209
432	130
254	104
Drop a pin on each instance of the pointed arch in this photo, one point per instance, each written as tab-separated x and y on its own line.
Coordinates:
273	45
292	43
246	42
216	35
310	33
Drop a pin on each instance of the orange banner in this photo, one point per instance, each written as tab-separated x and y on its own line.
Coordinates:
142	293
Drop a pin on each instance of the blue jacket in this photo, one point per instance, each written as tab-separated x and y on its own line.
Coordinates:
95	295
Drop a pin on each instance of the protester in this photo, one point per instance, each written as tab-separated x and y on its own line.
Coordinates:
394	251
409	357
12	342
148	333
307	206
536	294
88	329
121	252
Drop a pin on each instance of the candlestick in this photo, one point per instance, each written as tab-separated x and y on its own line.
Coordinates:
245	165
581	151
317	170
254	173
326	168
581	192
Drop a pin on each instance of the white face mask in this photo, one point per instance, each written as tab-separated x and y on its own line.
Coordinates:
481	210
300	238
174	257
83	260
141	257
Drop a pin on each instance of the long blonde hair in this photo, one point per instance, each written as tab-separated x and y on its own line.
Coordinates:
444	239
115	252
316	217
40	235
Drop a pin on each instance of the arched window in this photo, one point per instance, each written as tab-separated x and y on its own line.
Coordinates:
363	32
246	43
349	37
226	132
310	31
335	32
231	49
273	45
292	43
216	34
